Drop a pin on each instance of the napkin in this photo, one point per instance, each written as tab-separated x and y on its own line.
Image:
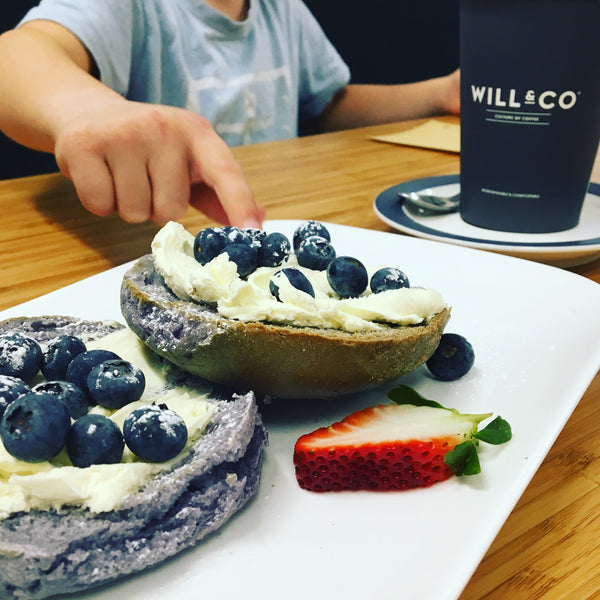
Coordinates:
435	134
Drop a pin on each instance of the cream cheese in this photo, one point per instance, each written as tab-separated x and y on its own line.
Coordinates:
249	300
52	485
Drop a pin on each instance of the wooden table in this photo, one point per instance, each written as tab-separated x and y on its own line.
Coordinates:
550	546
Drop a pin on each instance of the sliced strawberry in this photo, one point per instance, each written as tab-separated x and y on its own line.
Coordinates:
390	447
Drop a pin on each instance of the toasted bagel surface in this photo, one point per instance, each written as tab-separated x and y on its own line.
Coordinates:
277	360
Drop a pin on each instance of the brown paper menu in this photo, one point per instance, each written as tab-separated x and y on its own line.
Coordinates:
433	134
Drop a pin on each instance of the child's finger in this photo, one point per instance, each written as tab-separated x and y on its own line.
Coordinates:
169	177
214	164
93	183
206	200
133	191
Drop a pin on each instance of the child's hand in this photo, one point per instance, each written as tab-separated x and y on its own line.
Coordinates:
147	161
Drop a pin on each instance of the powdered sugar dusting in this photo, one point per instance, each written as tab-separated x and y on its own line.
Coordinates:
13	354
168	420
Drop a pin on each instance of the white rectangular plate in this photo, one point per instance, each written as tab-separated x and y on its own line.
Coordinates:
535	332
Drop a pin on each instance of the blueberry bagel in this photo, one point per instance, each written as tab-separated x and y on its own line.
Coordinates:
321	350
67	547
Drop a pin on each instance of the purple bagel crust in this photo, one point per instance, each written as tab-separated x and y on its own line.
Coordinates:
43	553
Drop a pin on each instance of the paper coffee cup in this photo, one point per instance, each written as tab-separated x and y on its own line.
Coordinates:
530	111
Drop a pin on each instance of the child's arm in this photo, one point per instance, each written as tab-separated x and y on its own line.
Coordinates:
142	160
360	105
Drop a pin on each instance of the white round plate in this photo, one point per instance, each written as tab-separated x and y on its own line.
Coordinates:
575	246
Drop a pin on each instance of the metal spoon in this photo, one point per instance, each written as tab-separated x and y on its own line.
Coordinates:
430	204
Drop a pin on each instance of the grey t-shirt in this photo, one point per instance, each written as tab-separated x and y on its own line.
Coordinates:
253	80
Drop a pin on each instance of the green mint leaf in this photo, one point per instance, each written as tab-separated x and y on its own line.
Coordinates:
463	459
496	432
404	394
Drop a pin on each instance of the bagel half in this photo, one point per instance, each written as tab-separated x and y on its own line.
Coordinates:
275	360
46	552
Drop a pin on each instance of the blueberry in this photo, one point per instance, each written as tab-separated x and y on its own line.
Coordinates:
295	277
79	368
347	276
20	356
244	256
388	278
10	389
235	235
59	353
34	427
315	252
155	433
274	251
453	358
208	243
256	237
68	393
115	383
307	229
95	440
